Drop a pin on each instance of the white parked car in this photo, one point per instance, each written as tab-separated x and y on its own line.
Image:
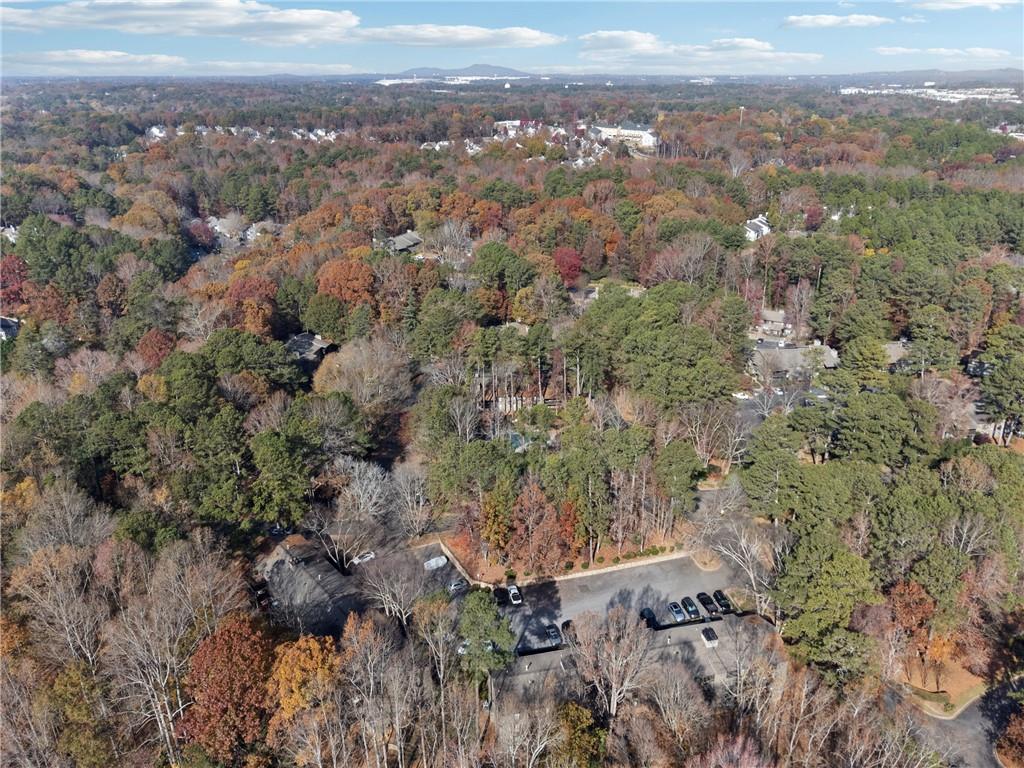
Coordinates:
363	558
436	562
514	595
741	395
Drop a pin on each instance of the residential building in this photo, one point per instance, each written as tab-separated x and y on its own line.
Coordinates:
773	323
791	361
9	328
757	228
638	136
308	348
408	242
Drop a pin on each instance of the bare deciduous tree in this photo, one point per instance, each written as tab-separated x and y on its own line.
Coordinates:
682	706
83	370
30	731
65	617
448	370
464	415
375	372
415	513
200	318
739	161
65	516
452	243
687	259
342	533
269	415
953	397
751	549
368	491
436	625
612	654
715	430
798	299
394	589
191	587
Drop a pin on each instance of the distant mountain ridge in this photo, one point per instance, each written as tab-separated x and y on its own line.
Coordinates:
473	70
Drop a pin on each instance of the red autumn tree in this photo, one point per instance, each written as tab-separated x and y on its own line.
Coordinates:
1011	744
536	538
13	274
202	234
569	263
567	526
45	302
154	346
813	217
228	684
913	609
345	279
252	287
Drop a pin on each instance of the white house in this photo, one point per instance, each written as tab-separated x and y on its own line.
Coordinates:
628	133
757	228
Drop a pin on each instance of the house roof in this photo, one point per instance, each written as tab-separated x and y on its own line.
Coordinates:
306	346
758	225
406	241
790	359
895	351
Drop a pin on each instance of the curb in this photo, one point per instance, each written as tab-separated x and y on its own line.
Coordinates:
960	710
566	576
635	563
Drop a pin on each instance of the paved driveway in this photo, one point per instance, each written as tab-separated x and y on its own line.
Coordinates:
642	586
971	735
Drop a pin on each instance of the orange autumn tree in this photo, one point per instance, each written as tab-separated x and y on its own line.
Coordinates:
347	280
227	681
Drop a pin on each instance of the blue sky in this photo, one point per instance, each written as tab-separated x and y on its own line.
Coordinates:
232	37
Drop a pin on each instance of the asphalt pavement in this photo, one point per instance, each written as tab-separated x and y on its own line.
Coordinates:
970	737
652	586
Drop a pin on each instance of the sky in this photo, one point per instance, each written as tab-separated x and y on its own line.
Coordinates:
318	37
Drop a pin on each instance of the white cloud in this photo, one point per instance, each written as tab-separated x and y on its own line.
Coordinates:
952	53
270	68
248	20
832	21
615	50
460	35
895	50
81	60
85	62
913	19
958	5
986	53
623	40
257	22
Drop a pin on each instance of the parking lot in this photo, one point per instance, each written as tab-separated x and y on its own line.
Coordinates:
651	586
309	593
738	637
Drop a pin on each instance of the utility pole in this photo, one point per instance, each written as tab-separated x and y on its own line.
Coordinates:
741	115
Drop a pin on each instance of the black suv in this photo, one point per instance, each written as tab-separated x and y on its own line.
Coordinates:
709	605
723	601
691	608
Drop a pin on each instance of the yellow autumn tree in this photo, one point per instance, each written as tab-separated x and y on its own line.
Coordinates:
304	672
